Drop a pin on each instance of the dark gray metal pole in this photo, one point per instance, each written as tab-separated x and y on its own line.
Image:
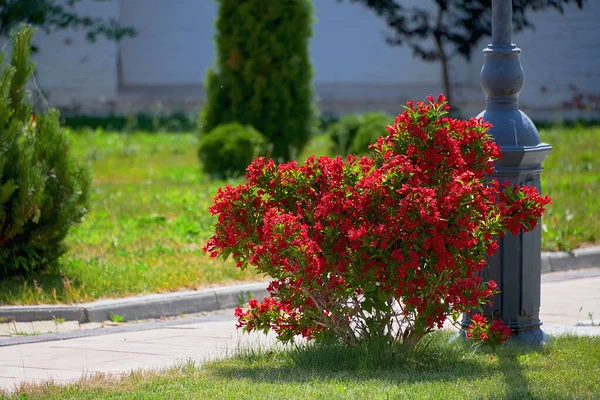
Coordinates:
517	265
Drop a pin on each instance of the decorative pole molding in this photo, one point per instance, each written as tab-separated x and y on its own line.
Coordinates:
501	22
516	267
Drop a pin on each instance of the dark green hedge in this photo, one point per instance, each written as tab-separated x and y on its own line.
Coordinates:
263	72
353	133
227	150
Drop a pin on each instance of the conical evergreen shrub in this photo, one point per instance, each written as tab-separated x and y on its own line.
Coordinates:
43	190
263	74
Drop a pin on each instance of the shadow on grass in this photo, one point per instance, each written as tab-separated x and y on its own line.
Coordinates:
442	364
515	383
438	359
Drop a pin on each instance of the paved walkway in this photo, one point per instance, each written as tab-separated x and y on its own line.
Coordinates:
568	298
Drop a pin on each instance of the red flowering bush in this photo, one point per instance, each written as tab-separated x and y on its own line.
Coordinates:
385	246
493	334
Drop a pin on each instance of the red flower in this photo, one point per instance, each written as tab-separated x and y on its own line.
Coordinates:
409	225
479	319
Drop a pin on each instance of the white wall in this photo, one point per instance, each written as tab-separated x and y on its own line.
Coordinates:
560	60
349	46
174	42
174	45
71	70
354	68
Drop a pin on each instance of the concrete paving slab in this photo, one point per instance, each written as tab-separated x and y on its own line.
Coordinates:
129	327
6	329
131	350
44	326
207	332
190	339
562	329
172	333
91	325
166	334
35	373
9	383
31	356
185	341
141	361
188	343
24	328
67	326
73	368
217	326
570	301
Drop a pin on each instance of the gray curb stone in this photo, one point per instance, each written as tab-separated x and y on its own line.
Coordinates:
141	307
42	313
171	304
588	257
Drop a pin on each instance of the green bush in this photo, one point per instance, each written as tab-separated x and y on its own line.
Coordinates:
354	132
372	126
342	132
227	150
176	122
43	190
263	73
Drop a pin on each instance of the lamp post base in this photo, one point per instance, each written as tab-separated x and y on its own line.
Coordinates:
532	337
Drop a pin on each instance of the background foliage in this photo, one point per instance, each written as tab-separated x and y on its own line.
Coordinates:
263	73
227	150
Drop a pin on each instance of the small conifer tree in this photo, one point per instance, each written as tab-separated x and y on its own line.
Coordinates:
263	74
43	190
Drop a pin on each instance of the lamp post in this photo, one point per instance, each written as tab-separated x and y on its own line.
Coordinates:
516	267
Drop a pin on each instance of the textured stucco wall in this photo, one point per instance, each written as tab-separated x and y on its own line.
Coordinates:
174	44
559	58
354	68
73	72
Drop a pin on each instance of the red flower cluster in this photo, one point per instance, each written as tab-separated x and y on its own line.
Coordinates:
382	246
493	335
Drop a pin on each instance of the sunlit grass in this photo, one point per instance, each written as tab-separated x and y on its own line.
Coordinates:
571	177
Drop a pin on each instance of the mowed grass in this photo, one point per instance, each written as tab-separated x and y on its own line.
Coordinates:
571	177
438	370
149	216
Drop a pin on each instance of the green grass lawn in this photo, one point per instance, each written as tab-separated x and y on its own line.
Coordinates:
566	369
149	218
571	177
